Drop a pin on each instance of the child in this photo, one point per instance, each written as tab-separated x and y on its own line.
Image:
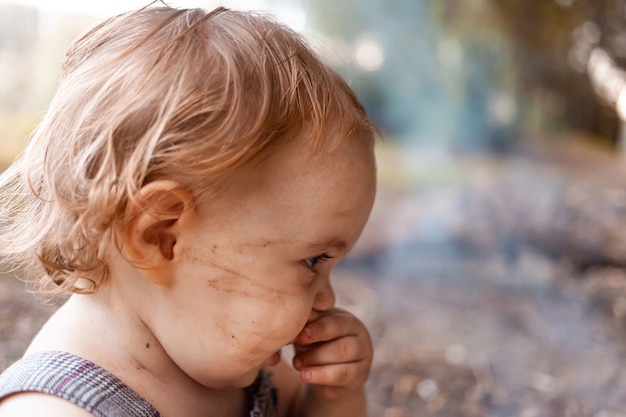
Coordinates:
193	183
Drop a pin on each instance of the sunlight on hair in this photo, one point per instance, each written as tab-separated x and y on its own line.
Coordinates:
104	8
289	13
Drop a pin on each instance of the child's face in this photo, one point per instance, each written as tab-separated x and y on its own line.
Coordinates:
254	266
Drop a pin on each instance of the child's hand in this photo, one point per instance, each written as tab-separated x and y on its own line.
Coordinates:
333	353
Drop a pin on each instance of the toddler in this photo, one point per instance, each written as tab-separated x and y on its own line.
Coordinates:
196	178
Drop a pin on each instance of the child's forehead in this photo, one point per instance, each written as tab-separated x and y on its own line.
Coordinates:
284	167
311	202
305	151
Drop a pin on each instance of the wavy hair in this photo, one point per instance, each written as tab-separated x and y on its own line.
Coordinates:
157	93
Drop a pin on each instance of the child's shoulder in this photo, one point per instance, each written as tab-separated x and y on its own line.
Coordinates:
36	404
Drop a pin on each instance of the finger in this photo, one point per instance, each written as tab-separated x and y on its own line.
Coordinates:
313	315
347	375
329	327
342	350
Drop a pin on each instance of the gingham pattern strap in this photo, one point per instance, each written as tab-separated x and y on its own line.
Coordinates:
96	390
77	380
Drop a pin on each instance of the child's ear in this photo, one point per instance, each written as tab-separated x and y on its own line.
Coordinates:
156	217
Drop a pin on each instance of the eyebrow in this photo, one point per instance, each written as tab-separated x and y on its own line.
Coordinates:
334	243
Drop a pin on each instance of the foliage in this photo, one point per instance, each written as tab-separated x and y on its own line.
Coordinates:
478	73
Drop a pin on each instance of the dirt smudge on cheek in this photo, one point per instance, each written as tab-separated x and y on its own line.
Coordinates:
225	285
222	276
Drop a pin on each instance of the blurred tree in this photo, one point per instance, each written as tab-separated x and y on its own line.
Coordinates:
440	83
478	73
552	40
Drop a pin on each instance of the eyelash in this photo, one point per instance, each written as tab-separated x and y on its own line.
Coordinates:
313	262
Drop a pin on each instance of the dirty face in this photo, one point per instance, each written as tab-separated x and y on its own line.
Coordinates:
256	263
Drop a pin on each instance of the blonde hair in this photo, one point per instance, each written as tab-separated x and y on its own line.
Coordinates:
157	93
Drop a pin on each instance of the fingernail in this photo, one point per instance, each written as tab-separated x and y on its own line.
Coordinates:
308	331
297	363
307	375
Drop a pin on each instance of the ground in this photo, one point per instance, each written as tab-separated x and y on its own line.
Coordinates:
493	285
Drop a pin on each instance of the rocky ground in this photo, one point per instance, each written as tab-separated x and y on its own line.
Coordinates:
492	285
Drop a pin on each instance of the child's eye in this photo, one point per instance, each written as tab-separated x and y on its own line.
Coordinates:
312	263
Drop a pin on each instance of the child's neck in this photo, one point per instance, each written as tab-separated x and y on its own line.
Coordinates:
102	329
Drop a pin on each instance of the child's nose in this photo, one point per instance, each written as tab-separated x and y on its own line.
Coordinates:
325	297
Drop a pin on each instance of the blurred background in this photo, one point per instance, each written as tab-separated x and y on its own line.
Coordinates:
491	274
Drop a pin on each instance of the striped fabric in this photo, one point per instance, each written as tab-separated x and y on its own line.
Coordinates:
91	387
